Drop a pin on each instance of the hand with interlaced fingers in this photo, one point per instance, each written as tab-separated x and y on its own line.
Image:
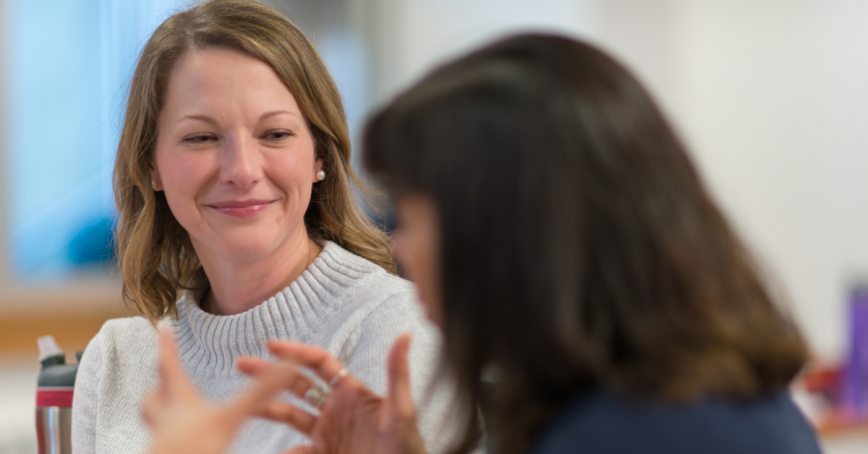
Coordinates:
352	419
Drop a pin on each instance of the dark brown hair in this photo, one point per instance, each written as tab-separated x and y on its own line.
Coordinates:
155	256
580	248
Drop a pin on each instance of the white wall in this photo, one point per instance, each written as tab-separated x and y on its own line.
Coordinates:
771	96
412	36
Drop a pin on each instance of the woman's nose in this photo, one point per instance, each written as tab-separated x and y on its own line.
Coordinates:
240	164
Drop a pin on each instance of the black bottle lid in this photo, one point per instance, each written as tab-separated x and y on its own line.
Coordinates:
60	375
55	372
53	360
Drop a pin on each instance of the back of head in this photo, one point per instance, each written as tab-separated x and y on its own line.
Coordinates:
579	246
155	255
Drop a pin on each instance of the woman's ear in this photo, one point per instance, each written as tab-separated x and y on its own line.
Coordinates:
156	182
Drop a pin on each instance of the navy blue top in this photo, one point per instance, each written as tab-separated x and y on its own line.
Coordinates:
601	422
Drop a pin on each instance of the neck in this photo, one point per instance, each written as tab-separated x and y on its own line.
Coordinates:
238	286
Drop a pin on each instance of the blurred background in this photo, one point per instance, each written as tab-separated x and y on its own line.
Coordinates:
770	95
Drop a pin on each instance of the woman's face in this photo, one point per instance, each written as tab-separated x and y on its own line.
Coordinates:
234	156
417	249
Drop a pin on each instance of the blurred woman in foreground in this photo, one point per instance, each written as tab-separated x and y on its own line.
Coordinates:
563	241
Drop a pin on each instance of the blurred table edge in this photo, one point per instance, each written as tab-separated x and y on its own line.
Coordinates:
72	312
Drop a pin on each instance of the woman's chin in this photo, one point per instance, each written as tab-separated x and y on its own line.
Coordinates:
245	249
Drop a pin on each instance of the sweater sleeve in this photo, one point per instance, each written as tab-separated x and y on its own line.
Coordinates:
85	398
399	314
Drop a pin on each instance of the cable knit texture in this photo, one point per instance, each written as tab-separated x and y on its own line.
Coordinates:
342	303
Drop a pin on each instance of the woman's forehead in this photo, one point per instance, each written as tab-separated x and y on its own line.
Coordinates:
223	82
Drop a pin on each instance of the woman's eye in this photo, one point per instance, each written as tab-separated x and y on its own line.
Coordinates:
198	139
278	135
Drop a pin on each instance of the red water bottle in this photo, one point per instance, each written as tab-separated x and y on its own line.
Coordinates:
54	399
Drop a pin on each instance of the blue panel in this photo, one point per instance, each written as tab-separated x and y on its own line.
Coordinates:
69	70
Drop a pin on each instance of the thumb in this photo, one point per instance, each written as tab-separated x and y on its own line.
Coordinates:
400	396
173	379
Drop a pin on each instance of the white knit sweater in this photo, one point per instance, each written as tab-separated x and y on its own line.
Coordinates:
342	303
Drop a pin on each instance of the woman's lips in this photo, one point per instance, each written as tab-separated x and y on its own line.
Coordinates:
240	208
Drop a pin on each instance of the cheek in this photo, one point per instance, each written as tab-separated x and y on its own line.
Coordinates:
182	180
430	265
416	255
292	176
293	173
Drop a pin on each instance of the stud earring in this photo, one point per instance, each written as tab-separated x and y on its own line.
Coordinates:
320	175
154	184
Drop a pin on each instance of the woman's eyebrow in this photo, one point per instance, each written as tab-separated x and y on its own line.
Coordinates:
204	118
210	120
277	112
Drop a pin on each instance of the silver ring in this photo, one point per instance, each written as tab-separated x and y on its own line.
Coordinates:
316	395
337	378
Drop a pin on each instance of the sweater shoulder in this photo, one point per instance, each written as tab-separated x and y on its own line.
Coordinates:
378	308
373	285
127	326
122	343
390	285
115	373
126	332
383	296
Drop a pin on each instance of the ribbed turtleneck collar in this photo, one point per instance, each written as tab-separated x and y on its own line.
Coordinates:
210	344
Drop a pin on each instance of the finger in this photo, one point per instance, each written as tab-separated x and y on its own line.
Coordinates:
150	409
319	360
286	376
400	395
172	376
286	413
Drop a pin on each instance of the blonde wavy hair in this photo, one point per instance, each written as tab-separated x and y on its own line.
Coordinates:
155	256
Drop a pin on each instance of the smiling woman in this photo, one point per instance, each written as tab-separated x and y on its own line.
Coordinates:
238	225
